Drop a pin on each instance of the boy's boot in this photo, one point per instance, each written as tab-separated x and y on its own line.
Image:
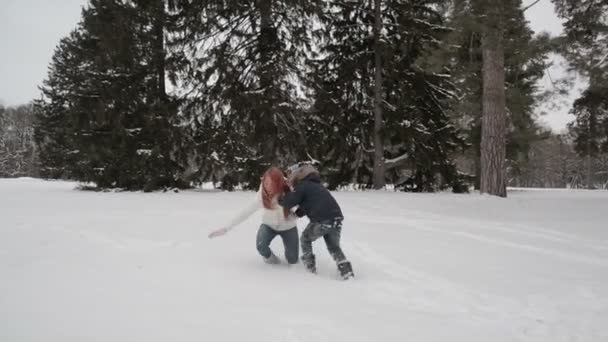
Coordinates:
346	269
310	264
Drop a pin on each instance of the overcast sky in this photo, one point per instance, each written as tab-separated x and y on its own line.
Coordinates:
30	30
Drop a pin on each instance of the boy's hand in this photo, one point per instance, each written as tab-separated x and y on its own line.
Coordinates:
217	233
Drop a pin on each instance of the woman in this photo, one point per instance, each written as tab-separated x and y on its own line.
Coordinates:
275	219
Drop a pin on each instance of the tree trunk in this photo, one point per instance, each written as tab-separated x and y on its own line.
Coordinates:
265	126
590	172
493	122
379	170
563	181
160	51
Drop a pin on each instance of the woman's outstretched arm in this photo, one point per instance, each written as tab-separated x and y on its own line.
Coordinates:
239	218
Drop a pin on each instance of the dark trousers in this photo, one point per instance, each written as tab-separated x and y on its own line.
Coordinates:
290	241
330	231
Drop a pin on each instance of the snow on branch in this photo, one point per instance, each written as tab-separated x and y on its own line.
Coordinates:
601	62
391	163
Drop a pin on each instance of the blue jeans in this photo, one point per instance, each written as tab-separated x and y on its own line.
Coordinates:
290	241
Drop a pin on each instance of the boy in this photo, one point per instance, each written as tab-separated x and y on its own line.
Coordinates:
316	202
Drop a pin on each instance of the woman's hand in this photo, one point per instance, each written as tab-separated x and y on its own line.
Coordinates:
217	233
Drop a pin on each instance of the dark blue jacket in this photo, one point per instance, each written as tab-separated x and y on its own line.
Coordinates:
313	200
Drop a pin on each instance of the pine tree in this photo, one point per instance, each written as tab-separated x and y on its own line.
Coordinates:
54	131
586	47
590	127
494	118
106	88
17	147
586	35
412	121
243	79
524	65
4	156
379	167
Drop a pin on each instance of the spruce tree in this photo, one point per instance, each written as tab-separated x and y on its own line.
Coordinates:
54	130
417	135
106	87
243	79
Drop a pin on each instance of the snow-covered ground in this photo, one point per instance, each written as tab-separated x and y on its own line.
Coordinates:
86	266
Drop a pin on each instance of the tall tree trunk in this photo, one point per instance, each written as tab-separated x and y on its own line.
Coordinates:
265	125
592	132
379	170
493	122
589	167
563	181
160	51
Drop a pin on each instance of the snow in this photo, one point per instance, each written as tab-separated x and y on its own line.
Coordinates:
134	130
144	152
119	266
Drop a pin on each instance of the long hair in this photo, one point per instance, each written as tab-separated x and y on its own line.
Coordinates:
273	184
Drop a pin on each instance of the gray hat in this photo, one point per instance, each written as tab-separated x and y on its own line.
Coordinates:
300	172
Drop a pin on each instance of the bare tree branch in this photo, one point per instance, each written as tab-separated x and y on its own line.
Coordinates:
530	5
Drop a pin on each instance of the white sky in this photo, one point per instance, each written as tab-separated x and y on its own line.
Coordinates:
30	30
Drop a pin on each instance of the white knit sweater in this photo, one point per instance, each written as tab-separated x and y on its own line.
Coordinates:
274	218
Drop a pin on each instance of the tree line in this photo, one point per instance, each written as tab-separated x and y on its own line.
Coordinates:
422	94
